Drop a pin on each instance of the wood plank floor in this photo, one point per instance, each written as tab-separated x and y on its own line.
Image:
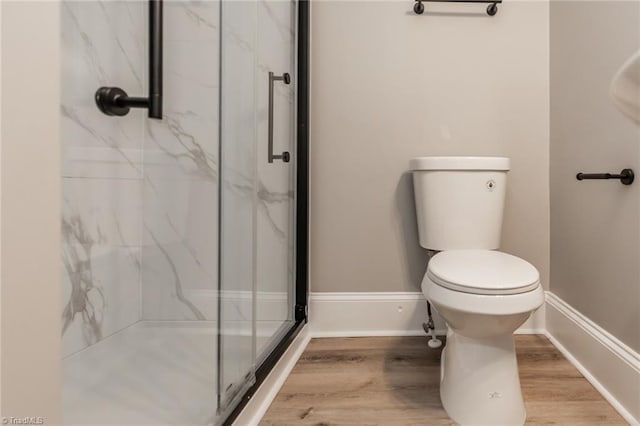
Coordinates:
394	381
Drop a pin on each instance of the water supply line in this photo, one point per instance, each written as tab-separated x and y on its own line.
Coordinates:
429	326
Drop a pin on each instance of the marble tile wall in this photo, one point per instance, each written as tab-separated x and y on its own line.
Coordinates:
180	239
139	220
102	44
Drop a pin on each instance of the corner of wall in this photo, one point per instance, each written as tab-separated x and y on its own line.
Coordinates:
30	225
607	363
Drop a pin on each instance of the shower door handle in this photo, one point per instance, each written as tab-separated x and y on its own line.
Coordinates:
285	156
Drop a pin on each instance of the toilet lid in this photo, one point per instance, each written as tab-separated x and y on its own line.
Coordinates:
482	272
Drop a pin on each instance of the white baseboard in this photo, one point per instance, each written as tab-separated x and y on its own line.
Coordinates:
382	314
611	366
266	393
608	364
242	303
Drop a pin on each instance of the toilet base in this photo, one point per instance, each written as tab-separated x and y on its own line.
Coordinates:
479	381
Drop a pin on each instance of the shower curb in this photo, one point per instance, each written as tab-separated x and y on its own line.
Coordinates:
266	393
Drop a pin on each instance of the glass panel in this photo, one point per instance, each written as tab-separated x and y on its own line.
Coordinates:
257	198
275	187
140	218
237	199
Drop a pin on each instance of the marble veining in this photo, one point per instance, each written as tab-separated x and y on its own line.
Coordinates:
181	170
180	237
100	257
197	17
91	54
177	281
268	198
282	23
87	298
192	20
73	116
89	26
238	39
183	146
102	43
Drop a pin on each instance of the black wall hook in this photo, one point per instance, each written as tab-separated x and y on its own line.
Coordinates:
626	176
492	9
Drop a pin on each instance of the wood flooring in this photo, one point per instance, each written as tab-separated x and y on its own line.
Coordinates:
394	381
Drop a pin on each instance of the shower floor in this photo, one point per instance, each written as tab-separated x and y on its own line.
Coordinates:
151	373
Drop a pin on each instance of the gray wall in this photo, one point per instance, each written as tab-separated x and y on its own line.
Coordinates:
388	86
594	224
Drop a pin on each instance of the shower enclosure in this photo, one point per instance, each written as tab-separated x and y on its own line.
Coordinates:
184	236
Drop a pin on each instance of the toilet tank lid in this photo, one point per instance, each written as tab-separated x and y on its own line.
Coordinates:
459	163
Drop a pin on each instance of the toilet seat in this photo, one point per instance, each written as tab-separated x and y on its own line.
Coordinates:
482	272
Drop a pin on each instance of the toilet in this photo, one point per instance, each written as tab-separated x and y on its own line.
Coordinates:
483	294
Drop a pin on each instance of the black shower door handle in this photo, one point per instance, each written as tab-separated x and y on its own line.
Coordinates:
285	156
115	101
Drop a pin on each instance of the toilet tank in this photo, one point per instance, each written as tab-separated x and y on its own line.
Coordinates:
459	201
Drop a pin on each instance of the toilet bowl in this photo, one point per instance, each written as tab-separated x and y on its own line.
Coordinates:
484	296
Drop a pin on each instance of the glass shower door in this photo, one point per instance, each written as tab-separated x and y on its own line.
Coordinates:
276	159
237	201
257	158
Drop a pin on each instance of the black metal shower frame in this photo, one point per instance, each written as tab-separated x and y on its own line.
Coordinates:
302	213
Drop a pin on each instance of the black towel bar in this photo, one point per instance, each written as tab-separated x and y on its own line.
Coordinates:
626	176
492	9
115	101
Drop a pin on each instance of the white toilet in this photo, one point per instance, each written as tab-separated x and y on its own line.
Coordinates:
484	295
